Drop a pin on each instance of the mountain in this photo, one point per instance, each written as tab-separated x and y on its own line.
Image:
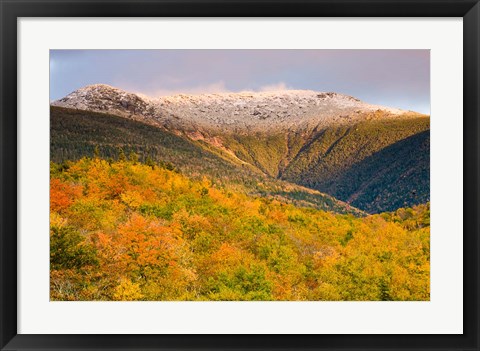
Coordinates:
78	133
299	110
376	158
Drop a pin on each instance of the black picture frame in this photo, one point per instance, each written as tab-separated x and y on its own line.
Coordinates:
11	10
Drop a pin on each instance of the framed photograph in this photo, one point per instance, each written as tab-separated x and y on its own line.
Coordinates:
239	175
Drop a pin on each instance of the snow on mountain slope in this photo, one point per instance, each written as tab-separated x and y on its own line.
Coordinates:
245	111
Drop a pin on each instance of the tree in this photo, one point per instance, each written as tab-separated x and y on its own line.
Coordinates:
68	249
133	157
149	162
121	155
96	152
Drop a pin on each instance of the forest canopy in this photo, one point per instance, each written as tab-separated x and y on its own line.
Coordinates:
124	230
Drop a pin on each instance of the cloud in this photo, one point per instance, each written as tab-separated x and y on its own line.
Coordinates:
216	87
274	87
213	88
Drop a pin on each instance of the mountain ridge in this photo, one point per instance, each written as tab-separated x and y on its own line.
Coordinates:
300	110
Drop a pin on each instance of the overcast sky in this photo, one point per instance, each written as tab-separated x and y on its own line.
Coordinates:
395	78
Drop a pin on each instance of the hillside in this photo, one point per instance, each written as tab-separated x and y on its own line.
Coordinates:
129	231
75	134
396	176
374	157
377	165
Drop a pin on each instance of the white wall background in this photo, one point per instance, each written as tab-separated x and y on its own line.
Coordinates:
443	314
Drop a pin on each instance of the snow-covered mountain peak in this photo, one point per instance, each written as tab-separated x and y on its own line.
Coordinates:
251	96
284	109
96	93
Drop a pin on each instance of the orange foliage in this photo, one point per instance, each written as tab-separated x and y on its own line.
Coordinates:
63	194
158	235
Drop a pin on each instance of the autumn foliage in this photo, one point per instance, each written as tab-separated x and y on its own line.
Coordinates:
129	231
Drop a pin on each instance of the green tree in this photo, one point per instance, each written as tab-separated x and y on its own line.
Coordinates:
96	152
68	249
121	155
149	162
133	157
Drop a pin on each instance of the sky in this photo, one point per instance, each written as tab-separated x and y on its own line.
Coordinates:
394	78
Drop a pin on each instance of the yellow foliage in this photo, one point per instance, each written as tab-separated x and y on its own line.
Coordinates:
132	199
127	291
57	221
158	235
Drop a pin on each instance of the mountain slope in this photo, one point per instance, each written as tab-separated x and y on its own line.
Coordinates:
313	139
76	134
340	160
390	178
